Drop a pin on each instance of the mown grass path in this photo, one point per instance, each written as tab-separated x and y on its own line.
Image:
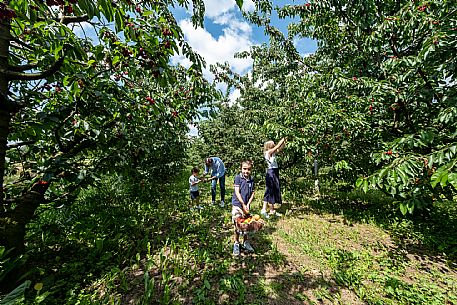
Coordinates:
310	256
147	246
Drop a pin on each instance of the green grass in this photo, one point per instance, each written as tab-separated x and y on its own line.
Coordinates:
121	243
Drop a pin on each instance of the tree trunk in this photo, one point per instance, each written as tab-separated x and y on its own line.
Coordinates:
12	223
5	107
11	228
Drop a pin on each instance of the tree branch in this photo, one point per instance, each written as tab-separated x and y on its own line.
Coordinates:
12	75
69	19
22	68
429	85
427	82
19	144
15	42
74	19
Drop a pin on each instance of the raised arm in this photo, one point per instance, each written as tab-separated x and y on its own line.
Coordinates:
278	146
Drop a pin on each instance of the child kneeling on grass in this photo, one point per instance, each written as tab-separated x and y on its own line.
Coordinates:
241	201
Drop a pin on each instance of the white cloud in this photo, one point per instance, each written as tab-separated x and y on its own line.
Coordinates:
248	5
235	38
233	24
214	8
193	131
234	95
85	30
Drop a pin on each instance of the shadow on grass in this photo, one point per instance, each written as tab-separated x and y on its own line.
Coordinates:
264	277
427	233
101	247
73	249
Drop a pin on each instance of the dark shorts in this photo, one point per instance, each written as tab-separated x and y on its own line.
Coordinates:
194	195
272	187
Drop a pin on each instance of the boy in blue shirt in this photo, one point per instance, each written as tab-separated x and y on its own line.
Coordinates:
241	201
217	173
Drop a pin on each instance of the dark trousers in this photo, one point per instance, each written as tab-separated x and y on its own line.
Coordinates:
213	188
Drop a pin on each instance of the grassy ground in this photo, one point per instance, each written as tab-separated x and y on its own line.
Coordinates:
335	249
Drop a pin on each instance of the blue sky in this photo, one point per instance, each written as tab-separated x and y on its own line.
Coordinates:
225	33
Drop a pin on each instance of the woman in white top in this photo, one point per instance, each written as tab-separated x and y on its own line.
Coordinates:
272	189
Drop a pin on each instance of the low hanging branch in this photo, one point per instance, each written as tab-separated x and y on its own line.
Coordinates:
14	75
23	68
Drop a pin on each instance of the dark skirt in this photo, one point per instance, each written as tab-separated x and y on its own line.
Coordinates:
272	189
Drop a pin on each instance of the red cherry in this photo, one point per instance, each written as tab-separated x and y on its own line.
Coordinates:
68	9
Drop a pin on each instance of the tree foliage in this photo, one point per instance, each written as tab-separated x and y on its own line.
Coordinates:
87	88
375	101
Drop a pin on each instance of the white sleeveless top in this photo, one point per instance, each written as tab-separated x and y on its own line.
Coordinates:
272	163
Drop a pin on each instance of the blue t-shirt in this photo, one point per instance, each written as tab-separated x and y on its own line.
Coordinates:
217	168
246	189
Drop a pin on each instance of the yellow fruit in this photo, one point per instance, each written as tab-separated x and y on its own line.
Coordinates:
256	217
38	286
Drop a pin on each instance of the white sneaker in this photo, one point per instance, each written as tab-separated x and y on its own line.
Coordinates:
264	214
236	249
247	246
222	204
276	214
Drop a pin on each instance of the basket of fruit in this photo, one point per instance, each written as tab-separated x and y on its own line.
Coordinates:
249	223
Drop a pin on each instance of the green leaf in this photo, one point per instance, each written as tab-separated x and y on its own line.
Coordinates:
436	178
403	208
365	185
207	284
411	205
239	3
452	179
107	10
359	182
431	159
443	179
16	295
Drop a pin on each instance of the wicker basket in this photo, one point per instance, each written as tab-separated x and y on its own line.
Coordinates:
251	226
